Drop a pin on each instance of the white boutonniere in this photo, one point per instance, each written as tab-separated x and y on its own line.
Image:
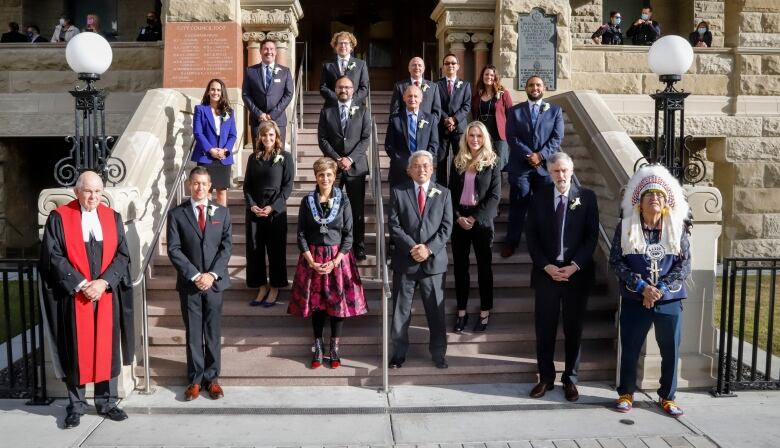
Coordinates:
422	124
278	159
352	110
575	203
425	88
460	83
212	209
277	70
481	166
499	94
225	117
330	203
351	66
545	107
434	192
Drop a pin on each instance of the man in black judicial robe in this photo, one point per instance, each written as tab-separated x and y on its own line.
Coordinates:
106	287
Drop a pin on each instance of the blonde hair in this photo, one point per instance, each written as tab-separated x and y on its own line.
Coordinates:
324	163
485	157
259	150
335	39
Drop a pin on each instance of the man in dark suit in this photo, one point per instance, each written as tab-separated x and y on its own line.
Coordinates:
34	34
534	131
344	132
343	64
562	269
430	102
420	224
455	98
407	132
199	245
267	91
13	35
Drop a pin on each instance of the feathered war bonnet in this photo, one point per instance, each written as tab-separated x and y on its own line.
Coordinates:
658	178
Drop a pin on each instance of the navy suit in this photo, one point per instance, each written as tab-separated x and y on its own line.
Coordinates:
205	132
272	101
524	139
358	74
458	106
397	143
430	104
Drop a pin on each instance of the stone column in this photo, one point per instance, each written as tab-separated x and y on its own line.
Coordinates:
481	41
253	40
457	46
454	19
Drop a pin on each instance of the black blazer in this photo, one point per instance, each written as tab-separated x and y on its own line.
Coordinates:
274	101
458	105
580	231
397	143
339	231
487	187
336	144
358	74
192	251
430	104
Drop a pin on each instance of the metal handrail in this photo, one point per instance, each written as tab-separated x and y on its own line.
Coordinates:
297	116
177	192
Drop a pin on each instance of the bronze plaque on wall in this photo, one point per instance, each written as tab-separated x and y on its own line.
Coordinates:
537	40
196	52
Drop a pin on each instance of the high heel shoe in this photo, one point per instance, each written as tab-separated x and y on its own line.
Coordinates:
262	296
270	300
481	324
460	323
316	349
335	359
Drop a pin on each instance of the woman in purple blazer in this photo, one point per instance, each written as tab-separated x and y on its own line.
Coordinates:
214	129
489	105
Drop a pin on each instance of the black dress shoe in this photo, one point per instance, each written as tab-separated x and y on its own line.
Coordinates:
115	414
460	323
570	392
540	389
440	363
72	420
396	363
481	324
360	254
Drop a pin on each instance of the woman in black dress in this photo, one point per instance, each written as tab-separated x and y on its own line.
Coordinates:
267	185
489	105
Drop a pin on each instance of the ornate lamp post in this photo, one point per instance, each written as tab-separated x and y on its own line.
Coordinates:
89	55
669	58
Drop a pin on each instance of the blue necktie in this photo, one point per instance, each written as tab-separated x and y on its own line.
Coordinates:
343	118
268	76
534	114
412	134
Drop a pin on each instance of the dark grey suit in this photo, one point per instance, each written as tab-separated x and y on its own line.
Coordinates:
457	106
353	143
408	229
358	74
397	143
192	252
430	104
272	101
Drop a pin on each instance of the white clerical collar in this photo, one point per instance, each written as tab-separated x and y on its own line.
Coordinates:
424	186
90	225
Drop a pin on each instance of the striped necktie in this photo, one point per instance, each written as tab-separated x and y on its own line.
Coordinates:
412	133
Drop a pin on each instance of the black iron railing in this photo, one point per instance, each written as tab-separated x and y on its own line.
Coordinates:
747	316
24	375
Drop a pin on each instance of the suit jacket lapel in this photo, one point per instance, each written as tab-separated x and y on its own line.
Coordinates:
573	193
405	126
261	77
413	197
428	200
190	214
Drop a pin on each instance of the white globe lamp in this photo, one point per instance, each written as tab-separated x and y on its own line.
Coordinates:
89	55
670	57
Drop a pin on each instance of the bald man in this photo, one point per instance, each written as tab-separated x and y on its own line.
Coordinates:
409	131
85	267
430	102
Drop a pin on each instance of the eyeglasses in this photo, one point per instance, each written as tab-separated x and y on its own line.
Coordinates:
344	43
450	63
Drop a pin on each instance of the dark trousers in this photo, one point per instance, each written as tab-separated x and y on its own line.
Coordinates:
482	239
447	150
432	294
356	192
202	314
266	235
635	322
106	396
550	298
520	190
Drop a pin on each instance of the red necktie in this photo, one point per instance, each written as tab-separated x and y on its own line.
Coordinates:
449	87
421	200
202	218
417	83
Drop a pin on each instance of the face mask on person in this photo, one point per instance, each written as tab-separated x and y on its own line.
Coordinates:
150	21
702	30
616	20
644	16
62	22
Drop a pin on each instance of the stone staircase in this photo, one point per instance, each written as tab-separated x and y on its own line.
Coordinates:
266	346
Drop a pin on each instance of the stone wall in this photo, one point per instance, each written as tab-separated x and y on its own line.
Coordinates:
10	11
752	23
585	18
18	226
714	12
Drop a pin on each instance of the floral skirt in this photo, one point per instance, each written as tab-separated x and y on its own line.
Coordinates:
339	293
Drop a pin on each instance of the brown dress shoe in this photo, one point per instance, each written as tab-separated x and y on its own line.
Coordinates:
570	392
507	251
192	392
540	389
215	390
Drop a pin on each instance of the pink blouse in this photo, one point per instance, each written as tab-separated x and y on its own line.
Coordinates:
469	197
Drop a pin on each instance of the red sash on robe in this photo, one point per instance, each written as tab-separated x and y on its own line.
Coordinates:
94	329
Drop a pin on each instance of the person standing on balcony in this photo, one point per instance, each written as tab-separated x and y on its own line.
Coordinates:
476	186
152	32
214	129
610	32
327	283
489	106
199	247
534	131
34	34
344	64
268	182
430	101
85	269
562	272
344	132
651	256
267	91
644	30
13	35
409	131
455	99
701	37
65	30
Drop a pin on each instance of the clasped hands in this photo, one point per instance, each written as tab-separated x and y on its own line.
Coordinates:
650	295
327	267
218	153
94	290
534	159
204	281
420	252
344	163
449	123
560	274
466	223
261	212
